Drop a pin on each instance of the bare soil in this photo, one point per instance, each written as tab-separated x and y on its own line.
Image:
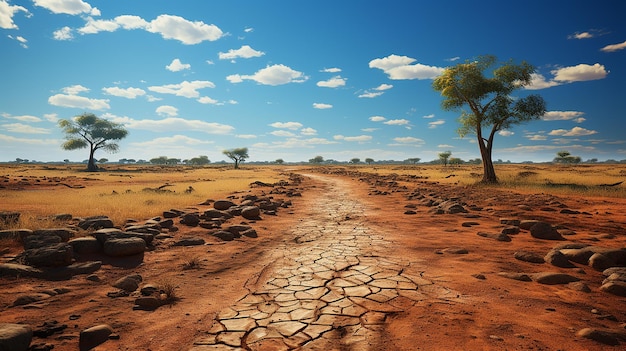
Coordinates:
469	313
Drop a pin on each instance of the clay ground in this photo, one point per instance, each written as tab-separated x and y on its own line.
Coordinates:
454	311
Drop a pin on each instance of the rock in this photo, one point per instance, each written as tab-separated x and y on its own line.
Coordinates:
600	262
579	286
527	223
529	257
149	289
580	256
250	233
15	337
238	229
14	234
29	298
452	207
544	230
63	233
124	247
166	223
510	230
510	221
152	229
550	278
62	273
85	245
94	336
49	328
251	212
604	336
189	241
96	222
615	287
456	250
224	235
49	256
516	276
499	236
62	217
568	211
128	283
18	270
213	214
171	214
222	205
556	258
607	272
39	241
148	303
190	219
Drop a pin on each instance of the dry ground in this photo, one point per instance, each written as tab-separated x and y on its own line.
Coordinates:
494	313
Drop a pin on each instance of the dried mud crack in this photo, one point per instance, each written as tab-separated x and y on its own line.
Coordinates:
333	289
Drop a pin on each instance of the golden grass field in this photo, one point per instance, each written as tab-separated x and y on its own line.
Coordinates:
38	191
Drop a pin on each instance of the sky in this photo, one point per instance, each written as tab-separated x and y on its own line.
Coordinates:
298	79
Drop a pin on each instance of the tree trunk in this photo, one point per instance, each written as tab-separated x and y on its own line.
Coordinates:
91	166
489	173
236	164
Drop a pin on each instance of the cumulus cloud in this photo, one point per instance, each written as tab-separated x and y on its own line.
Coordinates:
333	82
174	141
172	124
129	93
370	95
72	99
95	26
176	65
287	125
187	32
408	140
7	12
536	137
403	67
64	33
397	122
505	133
271	75
614	47
69	7
131	22
24	128
377	118
579	73
308	131
562	115
167	110
383	87
246	136
538	81
359	138
245	51
208	101
322	106
331	70
435	124
576	131
282	133
185	89
432	115
23	118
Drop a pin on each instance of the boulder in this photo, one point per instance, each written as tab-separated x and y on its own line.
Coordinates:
238	229
15	337
527	223
213	214
224	235
85	245
615	287
64	233
558	259
600	262
189	241
96	222
580	256
39	241
251	212
94	336
49	256
529	257
550	278
222	205
545	231
604	336
190	219
18	270
128	283
124	247
250	233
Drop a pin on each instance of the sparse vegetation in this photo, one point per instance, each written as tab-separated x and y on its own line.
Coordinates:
192	262
168	292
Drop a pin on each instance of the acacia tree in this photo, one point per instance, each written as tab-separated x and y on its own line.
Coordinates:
89	130
443	157
369	160
317	159
238	155
566	157
355	160
489	100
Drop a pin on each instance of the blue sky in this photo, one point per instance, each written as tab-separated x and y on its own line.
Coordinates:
296	79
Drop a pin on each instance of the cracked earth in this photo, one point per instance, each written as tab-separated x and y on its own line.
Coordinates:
333	288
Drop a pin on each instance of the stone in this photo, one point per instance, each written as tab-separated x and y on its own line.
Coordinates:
94	336
527	223
148	303
579	286
558	259
39	241
238	229
14	234
580	256
190	219
15	337
85	245
222	205
213	214
545	231
49	256
250	233
96	222
498	237
189	241
604	336
456	250
18	270
516	276
550	278
251	212
529	257
128	283
124	247
510	230
600	262
63	233
615	287
224	235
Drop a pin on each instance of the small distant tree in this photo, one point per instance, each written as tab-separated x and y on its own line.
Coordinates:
172	161
199	161
280	161
103	160
161	160
355	160
317	160
413	160
443	157
89	130
566	157
369	161
238	155
67	160
455	161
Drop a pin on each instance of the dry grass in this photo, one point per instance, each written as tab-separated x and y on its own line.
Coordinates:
167	289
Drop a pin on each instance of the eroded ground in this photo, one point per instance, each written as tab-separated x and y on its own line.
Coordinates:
347	268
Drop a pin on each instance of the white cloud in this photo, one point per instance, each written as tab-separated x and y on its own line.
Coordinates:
308	131
172	124
359	138
187	32
445	146
167	110
614	47
69	7
24	141
271	75
408	140
282	133
369	130
24	128
581	35
536	137
185	89
23	118
562	115
377	118
292	143
95	26
129	93
402	67
208	101
176	141
20	39
287	125
248	30
71	99
505	133
152	98
7	12
331	70
579	73
371	95
452	59
51	117
244	51
131	22
176	66
432	115
576	131
383	87
435	124
322	106
397	122
64	33
333	82
538	81
246	136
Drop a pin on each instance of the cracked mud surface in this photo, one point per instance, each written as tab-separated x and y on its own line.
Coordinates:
333	289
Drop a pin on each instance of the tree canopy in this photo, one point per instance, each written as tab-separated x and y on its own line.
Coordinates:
489	101
566	157
89	130
238	155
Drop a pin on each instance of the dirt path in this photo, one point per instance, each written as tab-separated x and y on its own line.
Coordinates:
332	290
